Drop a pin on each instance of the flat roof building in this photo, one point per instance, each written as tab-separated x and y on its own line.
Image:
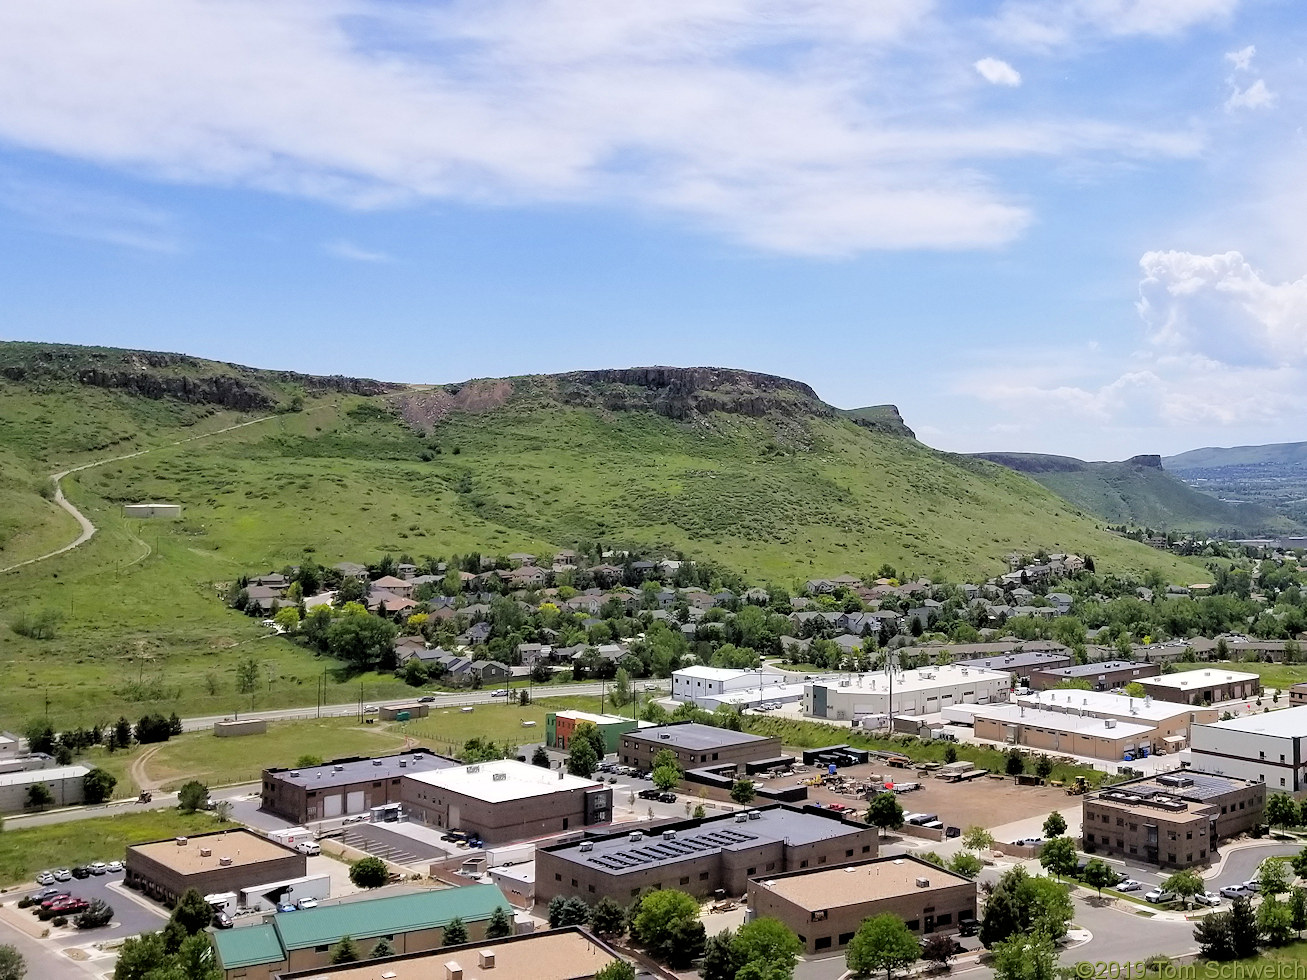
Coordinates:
1056	731
305	939
1101	676
704	685
223	861
701	856
1270	748
506	800
343	786
1203	686
569	953
1020	662
1173	820
65	783
824	907
922	691
696	746
1172	721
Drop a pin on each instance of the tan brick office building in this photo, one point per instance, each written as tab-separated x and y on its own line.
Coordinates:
226	861
695	746
1206	685
1101	676
701	856
1173	820
825	906
343	786
506	800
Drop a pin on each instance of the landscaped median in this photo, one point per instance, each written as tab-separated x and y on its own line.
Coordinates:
26	852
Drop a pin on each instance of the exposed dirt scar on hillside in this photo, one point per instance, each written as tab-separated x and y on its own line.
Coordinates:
426	409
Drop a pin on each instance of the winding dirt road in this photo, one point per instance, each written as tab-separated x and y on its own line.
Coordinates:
87	528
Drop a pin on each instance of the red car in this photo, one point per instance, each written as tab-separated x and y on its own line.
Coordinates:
71	907
54	900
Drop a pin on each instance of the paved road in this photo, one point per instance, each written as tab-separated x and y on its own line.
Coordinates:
442	700
87	528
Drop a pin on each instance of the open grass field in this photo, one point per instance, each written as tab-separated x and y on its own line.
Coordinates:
26	852
446	730
778	499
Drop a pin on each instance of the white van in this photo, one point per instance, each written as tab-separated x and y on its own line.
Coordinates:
308	847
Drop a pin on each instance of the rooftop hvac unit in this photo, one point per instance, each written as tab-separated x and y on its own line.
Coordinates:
472	769
665	735
206	852
294	773
181	841
337	768
923	882
224	862
1109	722
587	845
741	817
635	835
499	777
376	762
669	835
486	959
755	815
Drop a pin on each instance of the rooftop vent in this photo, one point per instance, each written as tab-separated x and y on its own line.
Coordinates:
1109	722
923	882
499	777
665	735
206	852
453	971
635	835
486	959
755	815
294	772
587	845
389	975
669	835
472	769
376	762
181	841
741	817
337	768
224	862
403	763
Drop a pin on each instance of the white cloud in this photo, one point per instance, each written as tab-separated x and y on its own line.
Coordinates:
1051	23
791	126
1255	96
342	249
1225	348
90	215
1241	59
998	72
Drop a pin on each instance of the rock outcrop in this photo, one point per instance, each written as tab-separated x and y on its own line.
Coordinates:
680	393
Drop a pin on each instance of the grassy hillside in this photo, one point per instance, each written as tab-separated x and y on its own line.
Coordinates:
1274	453
1139	492
761	477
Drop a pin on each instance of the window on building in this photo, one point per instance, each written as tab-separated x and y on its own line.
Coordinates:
321	949
803	863
751	871
1189	835
771	865
913	924
1133	849
1089	838
573	882
685	879
866	848
1171	858
846	938
558	877
703	875
823	942
590	888
822	859
849	853
635	892
944	918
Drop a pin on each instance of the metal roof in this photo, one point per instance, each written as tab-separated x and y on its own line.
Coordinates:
692	735
248	946
387	916
343	772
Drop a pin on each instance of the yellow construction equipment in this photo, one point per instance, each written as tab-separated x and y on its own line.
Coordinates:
1079	787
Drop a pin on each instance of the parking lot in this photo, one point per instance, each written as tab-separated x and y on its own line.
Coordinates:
132	913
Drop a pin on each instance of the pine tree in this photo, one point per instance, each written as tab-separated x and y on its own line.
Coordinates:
346	951
455	933
500	925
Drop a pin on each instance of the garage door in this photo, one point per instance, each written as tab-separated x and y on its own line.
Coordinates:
355	802
331	806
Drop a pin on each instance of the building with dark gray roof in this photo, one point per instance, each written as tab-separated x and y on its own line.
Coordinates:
1022	662
695	746
343	786
1104	675
701	856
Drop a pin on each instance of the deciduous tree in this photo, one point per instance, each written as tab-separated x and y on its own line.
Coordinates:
882	942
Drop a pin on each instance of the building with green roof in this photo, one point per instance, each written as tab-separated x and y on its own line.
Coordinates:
305	939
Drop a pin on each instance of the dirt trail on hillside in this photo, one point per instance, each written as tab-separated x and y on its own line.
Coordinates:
87	528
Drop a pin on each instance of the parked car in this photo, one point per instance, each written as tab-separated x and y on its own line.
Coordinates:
648	794
369	709
285	908
307	903
45	878
1159	897
666	797
1210	899
1236	891
1129	885
222	920
54	900
501	693
1252	885
98	868
612	779
63	874
113	867
308	847
81	872
43	894
968	926
71	906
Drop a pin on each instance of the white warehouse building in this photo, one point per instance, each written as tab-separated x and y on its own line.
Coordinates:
923	691
710	686
1270	748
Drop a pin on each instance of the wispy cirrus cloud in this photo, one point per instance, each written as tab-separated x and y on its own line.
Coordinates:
342	249
791	127
74	211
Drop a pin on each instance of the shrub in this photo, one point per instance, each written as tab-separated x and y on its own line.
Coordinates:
59	920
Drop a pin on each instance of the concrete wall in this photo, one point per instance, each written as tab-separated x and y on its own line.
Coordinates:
160	882
1213	693
248	726
1277	761
152	510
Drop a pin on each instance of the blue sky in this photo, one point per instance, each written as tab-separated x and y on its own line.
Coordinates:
1072	226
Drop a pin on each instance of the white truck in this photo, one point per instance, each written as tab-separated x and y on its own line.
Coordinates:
291	836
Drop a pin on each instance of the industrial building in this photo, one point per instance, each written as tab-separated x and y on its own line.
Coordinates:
224	861
568	953
343	786
696	746
65	783
1268	748
559	726
825	906
1105	675
709	687
1171	721
1173	820
701	856
1203	686
923	691
505	800
1054	731
289	942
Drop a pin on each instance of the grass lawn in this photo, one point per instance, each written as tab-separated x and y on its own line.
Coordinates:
1279	676
446	729
24	853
